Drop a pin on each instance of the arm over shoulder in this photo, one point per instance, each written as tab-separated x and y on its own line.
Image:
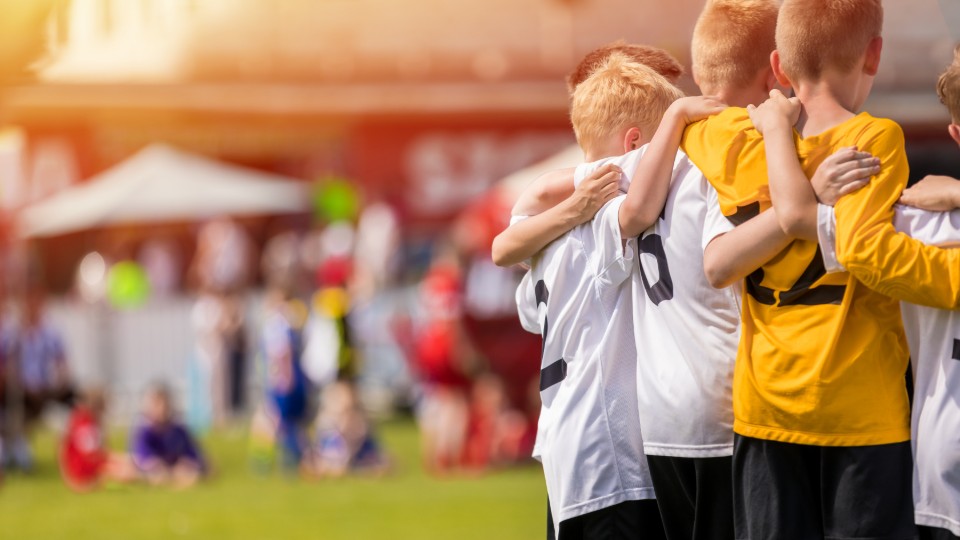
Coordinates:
934	228
730	154
889	262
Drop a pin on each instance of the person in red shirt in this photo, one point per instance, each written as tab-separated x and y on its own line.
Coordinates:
84	456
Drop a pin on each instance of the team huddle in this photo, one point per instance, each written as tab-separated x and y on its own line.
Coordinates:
731	288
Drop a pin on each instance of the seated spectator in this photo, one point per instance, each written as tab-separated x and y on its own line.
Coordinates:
85	459
345	441
162	449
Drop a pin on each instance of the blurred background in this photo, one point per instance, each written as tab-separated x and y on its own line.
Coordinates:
274	219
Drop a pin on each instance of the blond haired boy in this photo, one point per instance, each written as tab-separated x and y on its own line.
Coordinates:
578	294
820	407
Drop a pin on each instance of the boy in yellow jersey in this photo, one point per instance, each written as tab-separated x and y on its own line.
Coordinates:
931	333
820	408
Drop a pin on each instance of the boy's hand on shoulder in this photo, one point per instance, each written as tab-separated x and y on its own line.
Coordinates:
777	112
934	193
595	191
693	108
843	172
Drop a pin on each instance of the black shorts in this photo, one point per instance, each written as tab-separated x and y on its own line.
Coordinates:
786	491
629	520
695	496
936	533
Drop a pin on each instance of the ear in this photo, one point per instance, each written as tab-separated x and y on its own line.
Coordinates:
770	80
777	70
871	62
954	131
693	73
632	139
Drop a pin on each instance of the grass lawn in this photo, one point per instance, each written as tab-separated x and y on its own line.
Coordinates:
239	504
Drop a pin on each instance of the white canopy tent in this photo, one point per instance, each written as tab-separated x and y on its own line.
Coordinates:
162	184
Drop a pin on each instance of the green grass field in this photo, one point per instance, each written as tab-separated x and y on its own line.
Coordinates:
240	504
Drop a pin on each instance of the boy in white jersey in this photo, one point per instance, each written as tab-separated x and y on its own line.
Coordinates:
579	296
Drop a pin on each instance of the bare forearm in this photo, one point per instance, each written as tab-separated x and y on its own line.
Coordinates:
545	192
793	198
735	255
526	238
651	181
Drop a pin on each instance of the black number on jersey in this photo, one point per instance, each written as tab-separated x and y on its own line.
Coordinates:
556	372
802	293
663	289
542	295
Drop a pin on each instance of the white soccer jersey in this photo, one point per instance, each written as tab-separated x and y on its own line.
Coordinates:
687	332
578	295
934	339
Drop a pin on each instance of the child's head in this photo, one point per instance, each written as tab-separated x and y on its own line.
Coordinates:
158	404
619	106
820	39
655	58
94	399
731	47
948	88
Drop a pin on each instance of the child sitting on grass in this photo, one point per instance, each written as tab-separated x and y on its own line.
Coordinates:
162	449
85	459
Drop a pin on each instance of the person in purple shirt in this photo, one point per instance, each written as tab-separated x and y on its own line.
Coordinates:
161	448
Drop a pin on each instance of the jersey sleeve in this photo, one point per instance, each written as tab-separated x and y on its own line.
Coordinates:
714	223
934	228
889	262
827	238
610	258
699	143
730	154
527	307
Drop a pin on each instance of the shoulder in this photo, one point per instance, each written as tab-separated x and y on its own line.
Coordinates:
731	120
880	131
722	136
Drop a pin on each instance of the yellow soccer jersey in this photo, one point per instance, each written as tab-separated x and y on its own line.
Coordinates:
822	357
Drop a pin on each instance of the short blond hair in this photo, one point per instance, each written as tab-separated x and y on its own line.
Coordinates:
732	41
948	87
654	58
619	94
817	35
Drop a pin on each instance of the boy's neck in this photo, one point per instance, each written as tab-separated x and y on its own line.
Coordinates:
735	97
753	93
823	106
591	154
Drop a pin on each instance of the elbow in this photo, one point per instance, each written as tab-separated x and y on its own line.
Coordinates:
636	220
718	275
792	223
500	254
